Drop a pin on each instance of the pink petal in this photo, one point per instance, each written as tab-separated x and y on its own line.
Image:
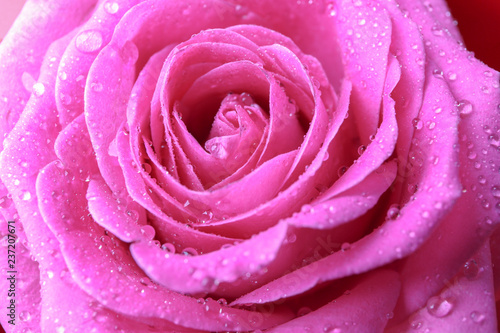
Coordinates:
23	49
288	201
365	309
365	62
24	289
464	230
467	303
88	40
102	266
417	219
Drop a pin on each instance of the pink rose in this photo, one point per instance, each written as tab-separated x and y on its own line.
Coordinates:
229	166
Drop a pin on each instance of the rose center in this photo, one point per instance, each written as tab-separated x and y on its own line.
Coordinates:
236	131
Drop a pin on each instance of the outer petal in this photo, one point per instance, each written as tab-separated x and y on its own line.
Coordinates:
102	266
366	308
467	304
476	213
22	51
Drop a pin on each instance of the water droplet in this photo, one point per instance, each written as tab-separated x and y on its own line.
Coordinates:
361	22
477	317
65	99
62	75
28	81
25	195
38	89
437	73
189	251
331	329
111	7
361	149
417	123
5	202
291	238
129	52
330	8
481	179
169	247
303	311
488	73
25	316
326	157
471	269
495	190
437	31
393	212
452	76
341	171
96	86
439	307
89	41
464	107
148	231
222	301
345	247
50	274
415	324
147	167
134	215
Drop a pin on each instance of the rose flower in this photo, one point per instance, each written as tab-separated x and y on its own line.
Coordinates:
235	166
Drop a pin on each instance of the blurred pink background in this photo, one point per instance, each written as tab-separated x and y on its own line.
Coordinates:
9	10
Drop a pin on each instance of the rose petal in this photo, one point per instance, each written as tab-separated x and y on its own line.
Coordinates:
418	218
366	309
466	304
102	266
464	230
288	200
26	289
365	62
88	40
23	48
170	230
204	273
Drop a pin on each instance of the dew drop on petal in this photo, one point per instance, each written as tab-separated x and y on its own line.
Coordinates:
393	212
417	123
96	86
169	247
303	311
189	251
25	195
495	190
341	171
464	108
129	52
471	269
477	317
111	7
345	247
439	307
89	41
25	316
38	89
148	231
